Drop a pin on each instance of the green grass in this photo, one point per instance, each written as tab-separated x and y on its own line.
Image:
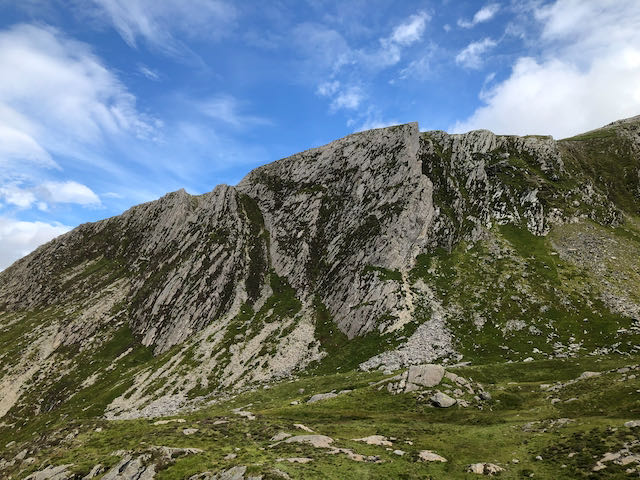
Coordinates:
463	436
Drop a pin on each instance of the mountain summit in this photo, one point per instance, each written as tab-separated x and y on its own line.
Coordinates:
380	251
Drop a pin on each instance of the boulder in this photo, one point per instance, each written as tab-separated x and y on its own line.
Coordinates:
318	441
321	396
429	456
428	375
380	440
442	400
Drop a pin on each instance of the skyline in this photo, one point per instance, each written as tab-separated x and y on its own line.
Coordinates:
109	103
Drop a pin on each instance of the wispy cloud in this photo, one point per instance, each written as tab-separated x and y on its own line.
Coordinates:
161	23
149	73
472	56
227	109
485	14
403	35
343	68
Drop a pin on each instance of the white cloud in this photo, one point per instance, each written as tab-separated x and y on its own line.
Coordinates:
19	147
411	30
349	99
587	76
149	73
47	193
472	55
344	69
54	93
405	34
14	195
327	89
68	192
485	14
157	22
18	238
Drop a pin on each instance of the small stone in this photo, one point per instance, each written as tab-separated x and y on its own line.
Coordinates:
189	431
165	422
486	396
230	456
295	402
484	468
528	359
399	452
379	440
295	460
586	375
302	427
278	437
539	457
632	424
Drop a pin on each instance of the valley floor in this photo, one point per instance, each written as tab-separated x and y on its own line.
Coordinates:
545	419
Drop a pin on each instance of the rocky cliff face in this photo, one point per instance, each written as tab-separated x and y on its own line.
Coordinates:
342	248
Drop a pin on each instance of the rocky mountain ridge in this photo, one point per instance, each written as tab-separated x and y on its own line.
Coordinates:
336	248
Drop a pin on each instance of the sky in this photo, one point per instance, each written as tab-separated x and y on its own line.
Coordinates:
105	104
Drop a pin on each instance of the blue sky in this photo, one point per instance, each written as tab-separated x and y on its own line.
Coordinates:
108	103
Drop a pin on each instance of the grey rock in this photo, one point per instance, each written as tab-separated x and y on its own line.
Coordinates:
425	375
430	456
322	396
442	400
484	468
59	472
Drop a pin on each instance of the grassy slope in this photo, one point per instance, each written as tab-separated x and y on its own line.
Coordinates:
463	436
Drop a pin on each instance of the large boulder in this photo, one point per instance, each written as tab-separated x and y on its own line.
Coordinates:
428	375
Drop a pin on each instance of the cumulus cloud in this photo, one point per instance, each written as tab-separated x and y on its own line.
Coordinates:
46	193
14	195
485	14
587	76
18	238
472	55
68	192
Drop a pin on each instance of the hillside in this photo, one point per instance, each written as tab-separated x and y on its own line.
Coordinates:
514	262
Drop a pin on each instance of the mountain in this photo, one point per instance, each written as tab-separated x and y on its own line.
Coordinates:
332	268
